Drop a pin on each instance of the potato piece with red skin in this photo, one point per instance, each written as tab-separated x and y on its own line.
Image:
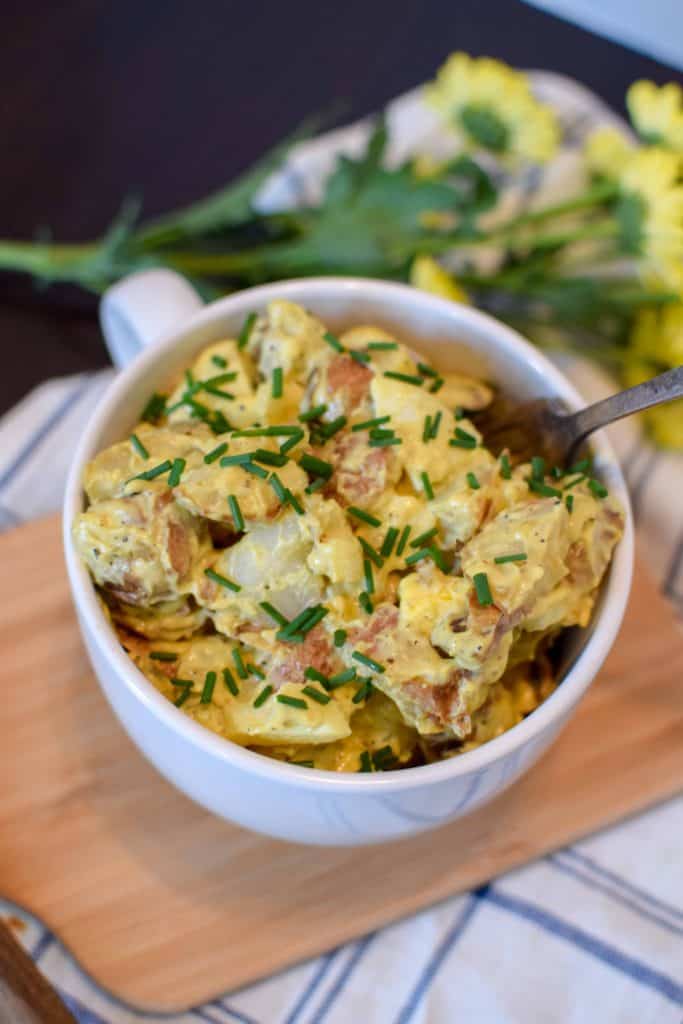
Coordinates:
361	473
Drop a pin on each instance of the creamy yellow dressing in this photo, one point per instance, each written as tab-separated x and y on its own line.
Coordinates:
361	587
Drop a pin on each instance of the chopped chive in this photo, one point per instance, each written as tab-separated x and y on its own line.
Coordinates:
426	370
339	637
215	453
218	423
580	467
163	656
363	692
251	467
473	482
254	670
363	659
379	433
263	696
310	672
384	759
404	538
368	424
569	502
364	517
316	695
483	591
152	474
597	488
464	435
347	676
278	486
419	555
273	431
365	763
505	470
317	615
369	578
316	485
303	622
384	442
139	446
245	332
236	513
276	384
211	389
215	382
333	341
330	429
437	385
545	490
303	764
294	502
239	663
388	542
407	378
371	553
359	357
155	408
318	467
365	602
219	361
572	483
199	411
382	346
427	429
182	682
291	442
424	537
460	442
557	473
312	414
207	691
537	468
427	485
222	581
502	559
292	702
269	458
189	377
179	701
229	681
436	423
275	615
176	472
458	413
236	460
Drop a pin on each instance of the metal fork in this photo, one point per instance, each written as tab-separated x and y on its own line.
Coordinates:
544	427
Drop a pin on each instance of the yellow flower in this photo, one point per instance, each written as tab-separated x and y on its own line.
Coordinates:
427	275
492	108
605	151
650	215
656	344
657	113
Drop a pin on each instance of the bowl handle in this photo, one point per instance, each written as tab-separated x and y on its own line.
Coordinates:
140	309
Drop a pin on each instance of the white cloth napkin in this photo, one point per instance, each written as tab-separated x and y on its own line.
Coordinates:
592	933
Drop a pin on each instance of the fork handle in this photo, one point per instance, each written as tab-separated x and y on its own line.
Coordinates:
662	388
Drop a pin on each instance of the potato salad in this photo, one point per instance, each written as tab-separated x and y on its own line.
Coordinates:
306	546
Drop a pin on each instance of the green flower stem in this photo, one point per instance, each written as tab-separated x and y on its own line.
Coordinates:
594	196
45	260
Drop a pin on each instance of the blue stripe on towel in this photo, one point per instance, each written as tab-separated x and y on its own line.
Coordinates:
624	883
313	983
344	975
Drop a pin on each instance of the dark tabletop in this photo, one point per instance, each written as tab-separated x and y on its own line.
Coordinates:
170	99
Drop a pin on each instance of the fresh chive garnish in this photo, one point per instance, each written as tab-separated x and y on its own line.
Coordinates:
222	581
427	485
404	540
294	502
317	695
236	513
363	659
274	614
163	656
427	429
569	502
458	413
339	637
310	672
436	423
316	485
505	470
330	429
218	423
263	696
317	615
426	370
597	488
380	433
312	414
179	701
382	346
464	435
318	467
437	385
384	759
211	389
419	555
347	676
333	341
365	602
572	483
473	482
176	472
384	442
219	361
245	332
199	410
236	460
424	537
369	578
557	473
365	763
276	382
545	490
152	474
483	591
239	663
303	622
254	670
369	424
407	378
273	431
259	471
215	453
229	681
207	690
269	458
582	466
388	542
363	691
364	517
502	559
537	467
278	486
359	357
139	446
182	682
215	382
460	442
155	408
292	702
291	442
371	553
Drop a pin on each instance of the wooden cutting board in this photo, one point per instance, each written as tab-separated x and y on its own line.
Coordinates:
132	875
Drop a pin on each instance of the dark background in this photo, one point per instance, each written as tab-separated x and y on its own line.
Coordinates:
169	99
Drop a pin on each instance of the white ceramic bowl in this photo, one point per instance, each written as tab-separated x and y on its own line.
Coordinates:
283	800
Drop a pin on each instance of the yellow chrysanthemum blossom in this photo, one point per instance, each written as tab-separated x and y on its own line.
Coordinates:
657	344
491	107
657	113
429	276
605	151
650	213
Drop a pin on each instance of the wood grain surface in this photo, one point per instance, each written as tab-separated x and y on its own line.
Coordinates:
129	872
